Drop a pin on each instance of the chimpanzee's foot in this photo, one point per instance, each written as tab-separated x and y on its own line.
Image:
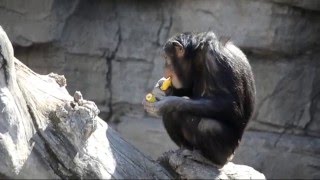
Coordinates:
197	156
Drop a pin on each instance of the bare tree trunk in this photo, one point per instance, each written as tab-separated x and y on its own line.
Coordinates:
46	133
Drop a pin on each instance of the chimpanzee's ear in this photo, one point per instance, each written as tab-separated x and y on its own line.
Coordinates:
179	49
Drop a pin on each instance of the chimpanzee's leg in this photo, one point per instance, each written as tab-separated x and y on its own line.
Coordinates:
214	141
173	123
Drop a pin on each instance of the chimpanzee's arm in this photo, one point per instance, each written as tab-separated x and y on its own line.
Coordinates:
211	107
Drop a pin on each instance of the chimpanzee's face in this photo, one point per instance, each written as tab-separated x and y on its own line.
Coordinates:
170	72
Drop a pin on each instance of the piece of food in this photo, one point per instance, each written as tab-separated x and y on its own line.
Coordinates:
150	98
166	84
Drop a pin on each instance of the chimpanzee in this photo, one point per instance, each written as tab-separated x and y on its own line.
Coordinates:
217	78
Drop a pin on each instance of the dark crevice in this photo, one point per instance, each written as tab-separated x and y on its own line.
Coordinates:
312	111
82	54
279	127
109	60
149	77
132	59
211	14
74	8
5	67
24	53
279	87
265	53
3	176
13	11
34	47
160	28
273	55
170	26
278	139
289	129
314	100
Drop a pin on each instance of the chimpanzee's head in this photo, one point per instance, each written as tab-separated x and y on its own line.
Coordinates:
178	56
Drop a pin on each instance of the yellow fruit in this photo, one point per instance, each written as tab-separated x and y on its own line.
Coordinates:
166	84
150	98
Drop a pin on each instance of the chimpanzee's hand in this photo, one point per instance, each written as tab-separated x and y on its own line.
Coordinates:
159	107
154	109
157	92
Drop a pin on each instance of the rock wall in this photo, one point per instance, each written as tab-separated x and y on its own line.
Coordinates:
110	51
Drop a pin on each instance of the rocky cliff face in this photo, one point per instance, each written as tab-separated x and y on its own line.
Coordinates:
110	51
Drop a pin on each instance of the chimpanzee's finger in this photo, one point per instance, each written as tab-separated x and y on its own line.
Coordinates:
147	105
158	93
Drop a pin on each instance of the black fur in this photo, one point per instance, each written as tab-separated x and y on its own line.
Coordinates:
221	89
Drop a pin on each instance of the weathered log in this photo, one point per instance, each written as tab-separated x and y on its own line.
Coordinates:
46	133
